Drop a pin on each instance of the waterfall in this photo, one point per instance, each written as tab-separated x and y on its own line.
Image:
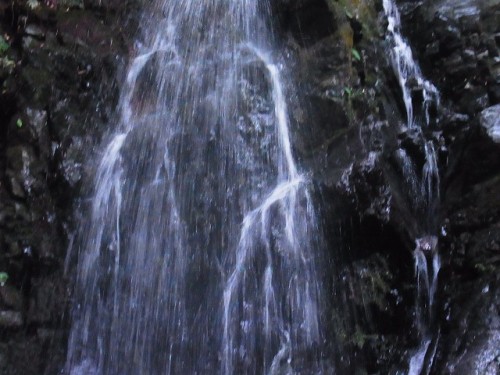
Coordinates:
426	199
198	252
406	68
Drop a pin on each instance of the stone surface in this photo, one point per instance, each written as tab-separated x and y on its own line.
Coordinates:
59	90
490	121
48	298
11	297
456	45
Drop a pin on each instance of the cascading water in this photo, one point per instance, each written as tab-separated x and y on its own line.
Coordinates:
426	198
407	70
197	256
285	300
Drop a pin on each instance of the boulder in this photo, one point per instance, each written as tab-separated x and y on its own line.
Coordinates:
490	121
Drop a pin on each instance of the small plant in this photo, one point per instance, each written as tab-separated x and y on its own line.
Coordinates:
355	54
4	276
19	123
5	61
4	46
351	93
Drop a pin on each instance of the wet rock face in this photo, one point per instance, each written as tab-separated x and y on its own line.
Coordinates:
459	47
490	121
355	113
308	21
470	328
58	71
457	42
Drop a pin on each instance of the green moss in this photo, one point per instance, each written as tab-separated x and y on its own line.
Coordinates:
7	64
4	46
484	268
359	338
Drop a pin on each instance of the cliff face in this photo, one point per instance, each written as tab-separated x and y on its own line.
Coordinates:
58	71
350	139
59	66
459	43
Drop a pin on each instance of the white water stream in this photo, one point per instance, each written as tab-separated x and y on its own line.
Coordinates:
426	199
198	251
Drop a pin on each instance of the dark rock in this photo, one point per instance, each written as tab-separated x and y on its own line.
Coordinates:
58	93
48	299
84	29
307	21
17	351
365	181
330	122
474	313
115	5
11	297
454	36
22	170
35	31
68	4
71	165
465	32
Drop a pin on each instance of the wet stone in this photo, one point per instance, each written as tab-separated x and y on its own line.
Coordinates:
71	167
21	160
16	188
38	121
490	121
30	42
11	319
47	250
34	31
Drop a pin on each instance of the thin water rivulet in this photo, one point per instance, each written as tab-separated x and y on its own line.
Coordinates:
423	187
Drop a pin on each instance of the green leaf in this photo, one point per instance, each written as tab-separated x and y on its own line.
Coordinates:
356	54
4	46
4	276
19	123
348	91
